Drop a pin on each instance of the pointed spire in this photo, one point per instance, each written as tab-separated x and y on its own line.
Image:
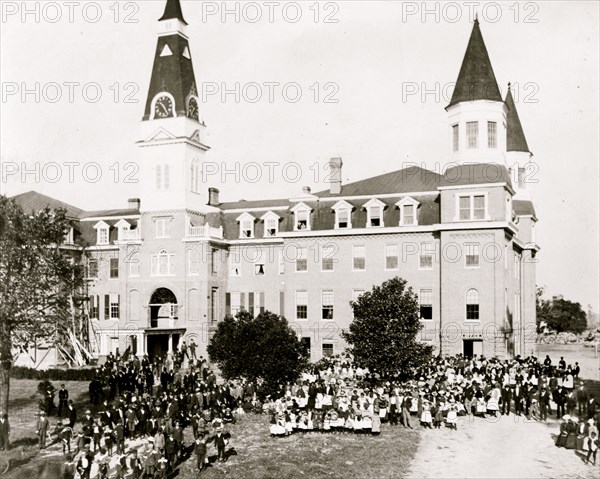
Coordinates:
476	79
173	10
515	138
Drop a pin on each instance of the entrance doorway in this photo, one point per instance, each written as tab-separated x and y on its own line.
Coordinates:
158	344
472	347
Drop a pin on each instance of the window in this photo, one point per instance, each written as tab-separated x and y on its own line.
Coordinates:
471	207
455	143
301	259
271	225
521	177
69	236
472	134
235	263
426	261
193	262
114	268
94	306
134	265
472	300
195	176
162	177
162	264
343	215
358	258
391	256
301	305
214	261
472	255
426	304
280	262
111	306
163	227
236	303
327	349
327	257
246	222
327	305
302	220
374	209
214	304
408	215
102	235
491	134
259	263
93	268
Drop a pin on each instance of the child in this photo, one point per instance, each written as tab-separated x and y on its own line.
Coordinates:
103	461
592	441
69	467
162	467
439	415
121	466
108	439
97	434
65	437
200	450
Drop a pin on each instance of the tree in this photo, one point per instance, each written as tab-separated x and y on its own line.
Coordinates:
383	334
559	314
265	347
542	309
38	282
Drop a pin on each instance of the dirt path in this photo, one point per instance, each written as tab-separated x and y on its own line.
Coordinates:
507	448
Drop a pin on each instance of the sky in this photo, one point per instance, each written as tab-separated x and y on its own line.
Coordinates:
287	85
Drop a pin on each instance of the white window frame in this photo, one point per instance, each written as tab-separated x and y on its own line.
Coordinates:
408	201
426	250
478	303
492	134
388	255
270	219
331	293
471	196
338	208
193	262
354	257
155	263
297	303
328	342
455	137
114	308
280	262
246	223
122	228
423	292
375	203
301	254
162	227
102	233
469	136
327	253
163	176
472	249
257	261
235	263
110	268
297	210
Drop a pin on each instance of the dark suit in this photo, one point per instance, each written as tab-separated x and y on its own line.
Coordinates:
518	397
506	399
72	413
4	434
63	401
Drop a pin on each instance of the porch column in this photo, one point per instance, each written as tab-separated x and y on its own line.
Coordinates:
141	345
170	344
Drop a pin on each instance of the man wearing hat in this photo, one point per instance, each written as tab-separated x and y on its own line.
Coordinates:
41	429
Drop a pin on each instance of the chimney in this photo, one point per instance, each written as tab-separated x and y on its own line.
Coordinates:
335	176
213	197
306	190
133	203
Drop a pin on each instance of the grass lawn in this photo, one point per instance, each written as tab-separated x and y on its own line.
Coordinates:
257	455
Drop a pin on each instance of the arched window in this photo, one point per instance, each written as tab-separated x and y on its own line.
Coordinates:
472	301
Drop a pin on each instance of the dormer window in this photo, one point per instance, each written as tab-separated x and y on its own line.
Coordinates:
301	217
69	236
123	228
408	211
374	209
271	221
102	229
246	222
472	207
343	215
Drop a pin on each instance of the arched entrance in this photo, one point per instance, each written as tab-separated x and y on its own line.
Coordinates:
163	334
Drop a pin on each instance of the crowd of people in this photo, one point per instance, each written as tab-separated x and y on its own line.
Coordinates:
148	416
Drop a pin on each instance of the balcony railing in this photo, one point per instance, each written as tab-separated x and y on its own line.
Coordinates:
205	231
130	235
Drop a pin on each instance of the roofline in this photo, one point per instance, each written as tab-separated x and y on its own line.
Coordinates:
477	185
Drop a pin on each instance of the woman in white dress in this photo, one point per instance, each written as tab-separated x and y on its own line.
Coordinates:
426	419
493	406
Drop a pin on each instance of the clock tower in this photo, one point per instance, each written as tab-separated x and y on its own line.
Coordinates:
172	144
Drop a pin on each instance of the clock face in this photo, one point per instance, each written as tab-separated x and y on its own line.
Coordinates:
192	111
163	107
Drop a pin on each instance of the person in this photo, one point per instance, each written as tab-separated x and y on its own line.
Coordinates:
63	400
135	464
66	434
162	467
193	349
103	463
592	445
119	435
200	450
4	433
406	406
68	468
582	399
151	462
41	429
72	413
221	442
544	400
562	364
506	396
